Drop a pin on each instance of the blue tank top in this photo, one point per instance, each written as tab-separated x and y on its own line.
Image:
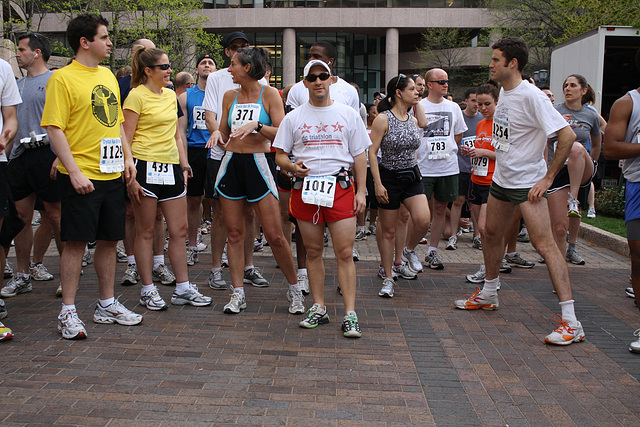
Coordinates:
197	133
241	114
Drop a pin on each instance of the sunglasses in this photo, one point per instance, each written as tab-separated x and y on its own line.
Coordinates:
163	67
312	77
400	77
440	82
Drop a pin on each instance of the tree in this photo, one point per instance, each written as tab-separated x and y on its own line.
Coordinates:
580	16
442	48
173	25
449	49
535	21
545	23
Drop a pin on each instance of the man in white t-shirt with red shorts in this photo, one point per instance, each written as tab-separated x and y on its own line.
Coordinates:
328	139
523	121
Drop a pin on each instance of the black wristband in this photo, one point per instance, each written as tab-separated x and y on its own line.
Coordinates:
259	128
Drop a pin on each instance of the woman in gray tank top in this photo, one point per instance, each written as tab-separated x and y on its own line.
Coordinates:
397	179
575	176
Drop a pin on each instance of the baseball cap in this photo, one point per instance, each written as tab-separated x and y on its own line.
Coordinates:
313	63
205	56
234	36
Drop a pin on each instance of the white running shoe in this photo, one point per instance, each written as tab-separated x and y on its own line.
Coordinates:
116	313
191	296
163	275
303	281
70	325
387	288
39	272
152	300
237	303
296	300
565	334
412	260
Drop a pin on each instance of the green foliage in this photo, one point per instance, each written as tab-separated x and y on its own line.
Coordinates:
580	16
445	48
545	23
610	202
173	25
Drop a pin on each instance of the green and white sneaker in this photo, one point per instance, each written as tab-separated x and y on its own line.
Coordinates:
315	316
350	326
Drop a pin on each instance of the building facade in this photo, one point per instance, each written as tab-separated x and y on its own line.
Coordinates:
375	39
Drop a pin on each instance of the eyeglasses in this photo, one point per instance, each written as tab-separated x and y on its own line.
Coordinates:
163	67
312	77
440	82
415	76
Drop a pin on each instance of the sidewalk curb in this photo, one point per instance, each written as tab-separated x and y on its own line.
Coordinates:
603	238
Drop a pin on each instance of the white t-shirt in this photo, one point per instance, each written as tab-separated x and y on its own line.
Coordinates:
528	120
326	139
437	155
10	94
218	83
340	91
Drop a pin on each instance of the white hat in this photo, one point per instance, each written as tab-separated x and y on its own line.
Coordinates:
313	63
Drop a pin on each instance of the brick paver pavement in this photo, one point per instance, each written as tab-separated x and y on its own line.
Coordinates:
419	362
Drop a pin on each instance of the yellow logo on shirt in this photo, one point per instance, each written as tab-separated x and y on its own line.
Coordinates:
104	104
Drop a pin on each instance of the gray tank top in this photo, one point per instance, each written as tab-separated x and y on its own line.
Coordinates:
631	167
399	145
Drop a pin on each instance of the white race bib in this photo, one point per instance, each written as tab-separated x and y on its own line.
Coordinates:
468	141
243	114
480	166
160	173
199	118
35	141
501	133
437	146
111	155
319	190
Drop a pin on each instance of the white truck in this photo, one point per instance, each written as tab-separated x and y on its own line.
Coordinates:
606	58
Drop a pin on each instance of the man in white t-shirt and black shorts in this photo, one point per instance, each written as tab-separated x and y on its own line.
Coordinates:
328	139
437	156
523	121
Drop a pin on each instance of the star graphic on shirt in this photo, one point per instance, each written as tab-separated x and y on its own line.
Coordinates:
321	128
337	127
304	128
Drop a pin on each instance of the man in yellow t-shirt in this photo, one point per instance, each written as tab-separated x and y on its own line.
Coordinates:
83	118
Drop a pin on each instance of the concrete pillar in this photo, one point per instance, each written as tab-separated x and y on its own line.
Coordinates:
392	55
288	57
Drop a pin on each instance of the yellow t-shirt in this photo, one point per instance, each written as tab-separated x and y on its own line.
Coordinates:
85	103
154	139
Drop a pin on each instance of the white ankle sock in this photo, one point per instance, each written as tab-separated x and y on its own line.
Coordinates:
182	287
131	259
106	302
491	286
568	312
147	288
158	260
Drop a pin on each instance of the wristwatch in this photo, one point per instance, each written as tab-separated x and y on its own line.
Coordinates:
259	128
